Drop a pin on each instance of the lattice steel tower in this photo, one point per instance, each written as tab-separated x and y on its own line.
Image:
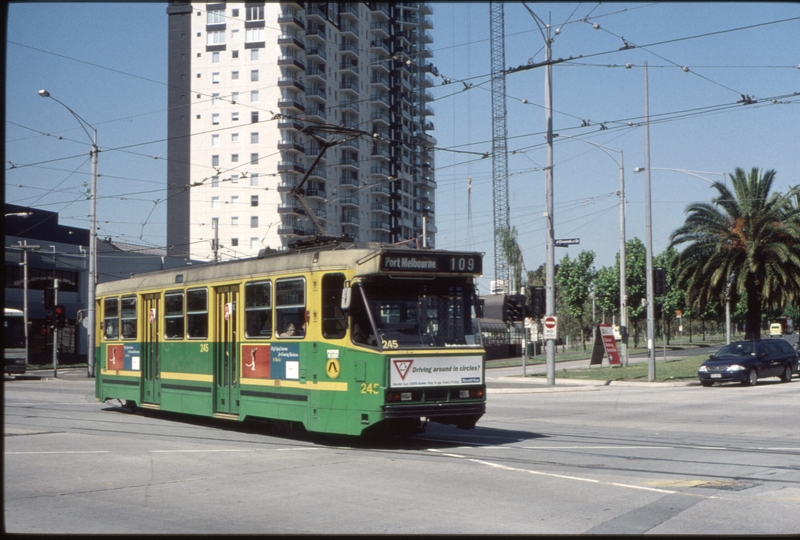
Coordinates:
499	154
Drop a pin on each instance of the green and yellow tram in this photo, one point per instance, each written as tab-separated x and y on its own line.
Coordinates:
340	338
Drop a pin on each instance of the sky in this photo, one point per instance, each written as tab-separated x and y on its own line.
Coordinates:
108	63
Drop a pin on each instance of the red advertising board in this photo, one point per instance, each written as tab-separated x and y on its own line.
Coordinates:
609	343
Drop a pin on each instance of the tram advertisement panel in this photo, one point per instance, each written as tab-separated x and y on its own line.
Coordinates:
436	371
123	357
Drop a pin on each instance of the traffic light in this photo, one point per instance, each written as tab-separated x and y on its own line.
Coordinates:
48	319
538	302
659	282
60	316
49	297
515	308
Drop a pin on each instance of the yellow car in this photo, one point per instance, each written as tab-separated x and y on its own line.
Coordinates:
775	330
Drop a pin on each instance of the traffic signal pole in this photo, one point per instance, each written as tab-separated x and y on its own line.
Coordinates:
55	329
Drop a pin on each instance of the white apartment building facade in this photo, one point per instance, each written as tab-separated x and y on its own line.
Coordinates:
249	82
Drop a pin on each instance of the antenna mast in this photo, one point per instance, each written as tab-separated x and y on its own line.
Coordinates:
499	151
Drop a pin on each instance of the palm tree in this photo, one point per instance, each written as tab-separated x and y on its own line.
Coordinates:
746	237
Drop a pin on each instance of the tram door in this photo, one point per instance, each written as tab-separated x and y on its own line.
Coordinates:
226	356
151	333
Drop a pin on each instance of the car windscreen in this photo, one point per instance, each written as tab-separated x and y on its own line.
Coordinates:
736	350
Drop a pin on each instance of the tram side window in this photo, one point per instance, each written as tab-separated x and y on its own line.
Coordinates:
128	317
111	318
173	315
290	307
197	313
258	309
334	322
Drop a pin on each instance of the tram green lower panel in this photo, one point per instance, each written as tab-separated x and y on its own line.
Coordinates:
197	400
127	389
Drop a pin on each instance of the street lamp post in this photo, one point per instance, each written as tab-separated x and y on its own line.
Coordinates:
90	302
727	287
623	293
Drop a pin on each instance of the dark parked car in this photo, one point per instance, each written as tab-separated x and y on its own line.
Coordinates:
747	361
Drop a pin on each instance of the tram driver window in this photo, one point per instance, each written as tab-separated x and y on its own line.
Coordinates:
111	318
173	315
197	313
290	307
258	309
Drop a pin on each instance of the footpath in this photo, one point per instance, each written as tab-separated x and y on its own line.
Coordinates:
500	377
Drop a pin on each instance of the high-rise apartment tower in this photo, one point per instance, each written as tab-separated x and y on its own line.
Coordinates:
249	81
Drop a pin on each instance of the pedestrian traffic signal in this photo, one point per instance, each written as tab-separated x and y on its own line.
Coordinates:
49	297
538	303
659	282
60	316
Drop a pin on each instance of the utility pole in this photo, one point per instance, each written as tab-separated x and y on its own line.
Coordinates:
550	268
25	248
651	344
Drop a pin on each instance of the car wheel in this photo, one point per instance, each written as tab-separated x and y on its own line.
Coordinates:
752	378
706	383
787	373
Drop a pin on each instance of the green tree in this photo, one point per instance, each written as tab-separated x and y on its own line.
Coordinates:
746	233
575	282
513	256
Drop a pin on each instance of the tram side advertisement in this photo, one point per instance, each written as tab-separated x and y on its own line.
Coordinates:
436	371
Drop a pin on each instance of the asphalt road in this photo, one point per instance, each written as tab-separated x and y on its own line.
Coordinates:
546	459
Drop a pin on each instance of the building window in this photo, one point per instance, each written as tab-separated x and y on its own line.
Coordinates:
234	179
254	222
254	96
253	35
253	75
215	181
235	136
254	52
234	158
254	158
254	242
215	140
234	118
234	242
254	13
254	179
215	119
235	54
216	37
234	12
215	99
254	137
214	202
234	75
215	78
234	200
254	117
234	97
253	200
235	221
215	57
216	16
215	161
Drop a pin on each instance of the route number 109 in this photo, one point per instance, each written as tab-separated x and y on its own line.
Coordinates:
462	264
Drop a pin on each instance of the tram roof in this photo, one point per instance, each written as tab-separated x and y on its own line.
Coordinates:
364	257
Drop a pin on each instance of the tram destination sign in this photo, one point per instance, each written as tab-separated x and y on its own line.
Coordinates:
460	263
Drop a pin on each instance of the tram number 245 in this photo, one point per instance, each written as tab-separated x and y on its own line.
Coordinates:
370	388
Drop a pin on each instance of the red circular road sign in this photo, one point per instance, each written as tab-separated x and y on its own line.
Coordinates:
550	322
